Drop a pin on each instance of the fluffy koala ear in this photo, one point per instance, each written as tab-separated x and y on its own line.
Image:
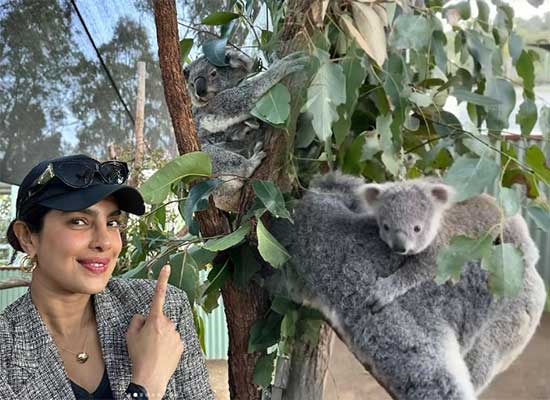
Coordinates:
370	192
442	194
237	60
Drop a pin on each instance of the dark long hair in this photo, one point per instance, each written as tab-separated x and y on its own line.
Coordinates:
33	218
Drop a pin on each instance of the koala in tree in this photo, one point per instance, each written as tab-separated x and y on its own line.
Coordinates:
434	342
222	99
418	218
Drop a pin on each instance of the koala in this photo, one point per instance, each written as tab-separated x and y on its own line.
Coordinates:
418	218
222	99
434	342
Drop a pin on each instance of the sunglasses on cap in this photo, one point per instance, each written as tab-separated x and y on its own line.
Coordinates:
80	174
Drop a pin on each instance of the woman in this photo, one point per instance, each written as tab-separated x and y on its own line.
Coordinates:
77	332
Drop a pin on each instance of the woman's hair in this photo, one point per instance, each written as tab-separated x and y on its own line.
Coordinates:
34	219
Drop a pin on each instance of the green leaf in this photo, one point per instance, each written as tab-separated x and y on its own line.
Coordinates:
462	8
265	332
544	123
483	14
185	48
470	176
274	106
420	99
270	249
219	18
217	277
214	51
411	32
228	241
190	165
536	160
540	216
515	46
505	266
282	305
198	201
526	70
353	156
474	98
527	116
184	274
263	371
461	249
325	93
271	197
245	265
498	116
510	201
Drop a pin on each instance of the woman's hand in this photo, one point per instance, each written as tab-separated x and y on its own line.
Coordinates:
154	345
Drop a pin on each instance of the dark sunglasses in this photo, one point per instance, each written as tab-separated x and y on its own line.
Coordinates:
79	174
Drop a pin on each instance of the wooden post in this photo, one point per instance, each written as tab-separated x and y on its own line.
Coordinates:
138	127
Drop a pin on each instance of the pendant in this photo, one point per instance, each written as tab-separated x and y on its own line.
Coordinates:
82	357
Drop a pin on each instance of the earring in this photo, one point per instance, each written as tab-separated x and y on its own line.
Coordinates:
28	264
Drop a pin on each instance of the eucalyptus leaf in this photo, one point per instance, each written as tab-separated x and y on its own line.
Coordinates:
274	106
214	51
190	165
474	98
184	274
229	240
219	18
270	249
263	371
460	250
544	123
185	48
510	201
505	266
271	197
198	201
527	116
245	265
471	176
326	92
411	32
498	116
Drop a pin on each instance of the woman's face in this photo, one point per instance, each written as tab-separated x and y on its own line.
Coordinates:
77	251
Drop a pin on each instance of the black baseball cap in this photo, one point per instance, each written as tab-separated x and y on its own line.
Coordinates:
59	196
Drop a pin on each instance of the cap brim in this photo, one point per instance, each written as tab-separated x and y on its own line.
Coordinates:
128	198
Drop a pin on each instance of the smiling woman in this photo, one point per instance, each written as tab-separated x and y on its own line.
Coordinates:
77	332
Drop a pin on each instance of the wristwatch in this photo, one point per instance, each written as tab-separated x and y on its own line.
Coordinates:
137	391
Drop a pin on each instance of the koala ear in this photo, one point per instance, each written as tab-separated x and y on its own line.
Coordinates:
237	60
442	194
370	192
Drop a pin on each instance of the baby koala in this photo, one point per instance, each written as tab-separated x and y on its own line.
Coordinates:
418	218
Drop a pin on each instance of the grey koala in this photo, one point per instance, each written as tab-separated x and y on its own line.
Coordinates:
418	218
435	342
222	99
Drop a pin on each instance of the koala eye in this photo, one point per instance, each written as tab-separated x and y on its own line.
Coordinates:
386	227
417	228
213	73
186	74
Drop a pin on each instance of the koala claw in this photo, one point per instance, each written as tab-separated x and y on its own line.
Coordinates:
258	147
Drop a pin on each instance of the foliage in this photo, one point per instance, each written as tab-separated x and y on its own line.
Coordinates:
375	108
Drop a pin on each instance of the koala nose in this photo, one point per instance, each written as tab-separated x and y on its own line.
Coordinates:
399	244
200	86
399	248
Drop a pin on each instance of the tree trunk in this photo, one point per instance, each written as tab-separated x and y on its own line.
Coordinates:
309	367
242	307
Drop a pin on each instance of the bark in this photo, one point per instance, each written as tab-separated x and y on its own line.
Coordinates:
309	367
138	128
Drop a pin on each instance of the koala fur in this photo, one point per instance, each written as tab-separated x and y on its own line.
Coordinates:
435	342
418	218
222	99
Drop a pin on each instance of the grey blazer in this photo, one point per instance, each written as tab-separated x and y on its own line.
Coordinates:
31	367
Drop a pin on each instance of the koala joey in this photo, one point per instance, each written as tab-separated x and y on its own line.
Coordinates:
222	98
420	216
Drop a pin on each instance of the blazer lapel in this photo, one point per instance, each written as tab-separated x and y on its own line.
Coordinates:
112	324
37	368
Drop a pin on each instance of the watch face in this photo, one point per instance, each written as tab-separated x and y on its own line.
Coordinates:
137	391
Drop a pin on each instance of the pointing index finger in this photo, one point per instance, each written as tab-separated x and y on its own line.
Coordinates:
157	304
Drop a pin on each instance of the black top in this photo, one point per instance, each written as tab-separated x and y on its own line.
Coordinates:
103	391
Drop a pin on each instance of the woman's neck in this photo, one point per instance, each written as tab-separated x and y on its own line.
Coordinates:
65	315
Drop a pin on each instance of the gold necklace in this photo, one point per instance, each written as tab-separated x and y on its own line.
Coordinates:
83	356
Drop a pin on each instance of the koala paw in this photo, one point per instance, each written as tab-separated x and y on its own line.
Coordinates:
255	160
292	63
381	295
